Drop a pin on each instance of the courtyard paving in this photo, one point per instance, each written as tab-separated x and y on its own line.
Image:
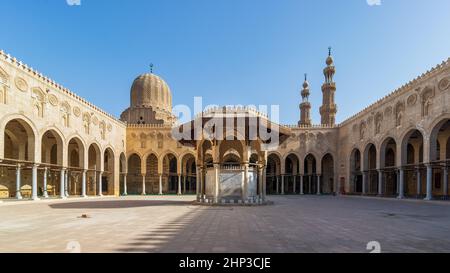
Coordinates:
173	224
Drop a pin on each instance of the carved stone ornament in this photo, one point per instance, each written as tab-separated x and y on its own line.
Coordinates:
412	100
444	84
53	100
21	84
95	121
76	111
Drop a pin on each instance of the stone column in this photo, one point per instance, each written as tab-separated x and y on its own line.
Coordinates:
143	185
429	182
62	191
364	182
310	184
216	186
83	183
301	185
197	183
419	182
282	184
95	182
380	183
445	181
160	185
45	182
295	184
179	185
100	180
125	190
66	183
260	186
277	185
184	184
34	195
264	183
318	184
401	193
18	182
245	183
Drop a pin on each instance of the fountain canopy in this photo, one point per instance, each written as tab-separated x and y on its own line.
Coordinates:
232	146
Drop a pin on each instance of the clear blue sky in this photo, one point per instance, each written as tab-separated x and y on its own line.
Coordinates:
229	51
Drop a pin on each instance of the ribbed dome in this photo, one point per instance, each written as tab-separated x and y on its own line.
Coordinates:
149	90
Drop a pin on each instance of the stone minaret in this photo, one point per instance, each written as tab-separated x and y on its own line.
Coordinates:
329	109
305	106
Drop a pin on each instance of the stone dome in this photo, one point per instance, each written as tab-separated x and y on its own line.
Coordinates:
149	90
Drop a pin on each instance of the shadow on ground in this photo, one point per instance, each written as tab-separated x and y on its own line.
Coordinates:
118	204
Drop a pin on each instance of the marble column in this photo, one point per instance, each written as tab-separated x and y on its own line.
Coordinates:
301	185
295	184
62	184
318	184
34	182
277	185
45	193
83	183
282	184
310	184
18	182
160	185
364	183
380	183
100	181
261	181
197	185
429	182
244	183
125	190
216	186
445	186
401	190
144	192
264	186
66	183
419	182
184	184
179	185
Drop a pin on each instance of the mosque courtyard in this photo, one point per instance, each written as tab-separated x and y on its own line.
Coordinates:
294	224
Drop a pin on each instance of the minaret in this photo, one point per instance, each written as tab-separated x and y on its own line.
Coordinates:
305	106
329	109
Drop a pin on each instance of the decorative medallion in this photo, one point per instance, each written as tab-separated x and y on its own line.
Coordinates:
388	111
109	127
53	100
444	84
95	121
412	100
21	84
76	111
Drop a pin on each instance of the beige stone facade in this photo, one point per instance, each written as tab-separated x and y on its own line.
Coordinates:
54	143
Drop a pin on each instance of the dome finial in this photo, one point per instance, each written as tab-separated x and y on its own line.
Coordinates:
329	51
306	77
151	68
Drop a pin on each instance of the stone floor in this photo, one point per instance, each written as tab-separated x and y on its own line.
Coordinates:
172	224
